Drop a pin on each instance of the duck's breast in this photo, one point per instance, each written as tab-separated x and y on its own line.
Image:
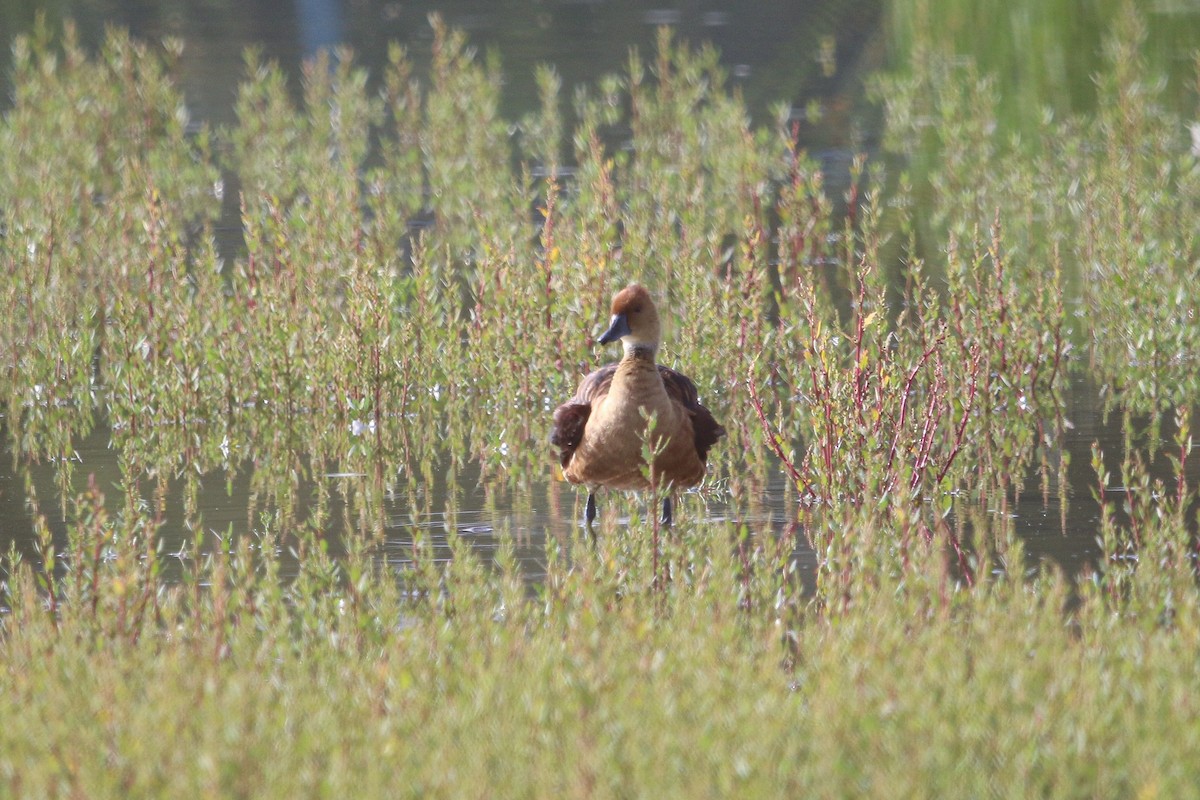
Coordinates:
611	449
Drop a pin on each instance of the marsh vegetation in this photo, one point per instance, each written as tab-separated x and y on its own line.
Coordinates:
414	291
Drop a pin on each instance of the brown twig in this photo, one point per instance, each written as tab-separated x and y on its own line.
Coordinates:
773	438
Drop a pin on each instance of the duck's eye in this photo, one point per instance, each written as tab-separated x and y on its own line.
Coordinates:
635	310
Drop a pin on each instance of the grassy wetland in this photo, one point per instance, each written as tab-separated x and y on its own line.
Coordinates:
844	608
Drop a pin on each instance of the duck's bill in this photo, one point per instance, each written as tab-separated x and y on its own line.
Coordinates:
618	328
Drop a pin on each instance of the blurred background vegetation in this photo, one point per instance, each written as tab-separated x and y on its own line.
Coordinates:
1044	53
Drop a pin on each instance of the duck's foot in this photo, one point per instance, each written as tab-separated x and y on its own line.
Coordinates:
589	512
667	515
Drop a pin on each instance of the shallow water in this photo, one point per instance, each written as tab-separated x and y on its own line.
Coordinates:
583	40
1057	527
228	503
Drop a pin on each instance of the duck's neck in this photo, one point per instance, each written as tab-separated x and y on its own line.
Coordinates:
639	350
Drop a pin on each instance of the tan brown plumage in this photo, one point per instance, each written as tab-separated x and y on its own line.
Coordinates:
600	432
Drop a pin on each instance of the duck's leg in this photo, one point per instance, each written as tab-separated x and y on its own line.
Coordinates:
589	512
667	515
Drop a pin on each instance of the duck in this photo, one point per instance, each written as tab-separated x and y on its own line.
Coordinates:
601	431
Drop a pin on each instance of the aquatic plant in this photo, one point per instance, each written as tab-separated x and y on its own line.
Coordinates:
381	349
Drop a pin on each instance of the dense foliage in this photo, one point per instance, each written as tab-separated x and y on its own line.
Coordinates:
394	315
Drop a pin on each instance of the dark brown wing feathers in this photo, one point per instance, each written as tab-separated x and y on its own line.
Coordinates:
680	387
569	422
707	430
704	425
595	385
571	417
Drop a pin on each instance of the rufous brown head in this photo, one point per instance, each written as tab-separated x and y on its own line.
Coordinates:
634	320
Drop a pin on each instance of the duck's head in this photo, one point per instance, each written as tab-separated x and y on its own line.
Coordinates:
634	320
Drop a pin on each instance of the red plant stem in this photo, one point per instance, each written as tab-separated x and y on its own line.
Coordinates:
1181	479
912	375
773	438
821	384
830	442
925	442
859	334
962	558
976	358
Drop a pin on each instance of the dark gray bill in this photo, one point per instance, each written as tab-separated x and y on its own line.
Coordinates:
618	328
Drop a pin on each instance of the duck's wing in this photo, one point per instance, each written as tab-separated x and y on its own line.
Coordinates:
571	417
705	427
